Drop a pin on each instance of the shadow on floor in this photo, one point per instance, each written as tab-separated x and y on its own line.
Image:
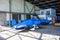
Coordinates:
1	38
48	29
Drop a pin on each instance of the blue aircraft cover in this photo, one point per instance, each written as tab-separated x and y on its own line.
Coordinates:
37	22
24	24
30	23
45	21
13	22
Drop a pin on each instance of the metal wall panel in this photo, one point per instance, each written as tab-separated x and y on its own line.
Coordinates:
2	18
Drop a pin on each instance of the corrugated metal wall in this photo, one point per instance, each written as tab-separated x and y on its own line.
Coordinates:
2	18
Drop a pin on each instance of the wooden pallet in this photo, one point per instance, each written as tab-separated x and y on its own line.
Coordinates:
57	24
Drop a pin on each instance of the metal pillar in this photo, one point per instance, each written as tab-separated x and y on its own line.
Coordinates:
34	9
9	12
24	8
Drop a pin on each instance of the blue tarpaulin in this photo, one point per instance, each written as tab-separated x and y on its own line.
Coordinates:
25	24
30	23
13	22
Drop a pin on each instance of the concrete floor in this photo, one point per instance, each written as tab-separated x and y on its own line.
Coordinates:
47	32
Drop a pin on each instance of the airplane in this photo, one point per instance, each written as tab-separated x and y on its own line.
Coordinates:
31	23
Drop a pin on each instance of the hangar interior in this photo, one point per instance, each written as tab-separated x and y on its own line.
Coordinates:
45	4
38	5
23	11
16	9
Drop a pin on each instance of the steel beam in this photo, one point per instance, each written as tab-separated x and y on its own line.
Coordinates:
9	12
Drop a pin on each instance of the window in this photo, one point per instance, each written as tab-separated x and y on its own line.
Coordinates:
42	13
17	17
48	13
28	16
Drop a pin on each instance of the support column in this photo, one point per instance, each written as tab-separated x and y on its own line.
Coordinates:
9	12
24	17
11	16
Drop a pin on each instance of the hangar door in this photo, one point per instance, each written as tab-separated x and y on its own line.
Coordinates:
2	18
17	17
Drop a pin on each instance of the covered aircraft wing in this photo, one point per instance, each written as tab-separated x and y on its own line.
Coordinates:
24	24
29	23
46	21
37	22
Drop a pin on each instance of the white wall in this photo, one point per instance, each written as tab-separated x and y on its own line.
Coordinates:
37	10
30	6
23	17
18	6
7	16
4	5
